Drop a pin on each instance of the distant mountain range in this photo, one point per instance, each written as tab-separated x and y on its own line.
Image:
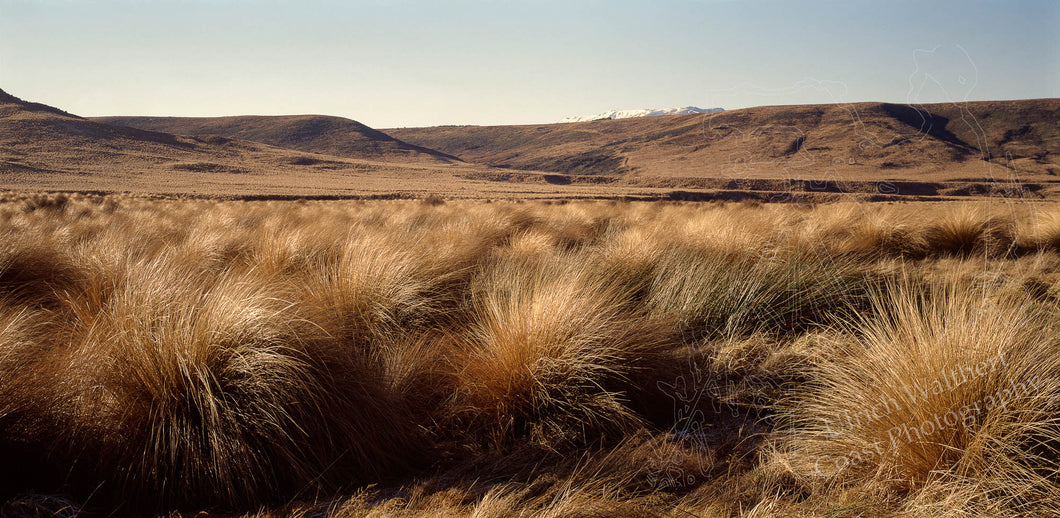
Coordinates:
646	112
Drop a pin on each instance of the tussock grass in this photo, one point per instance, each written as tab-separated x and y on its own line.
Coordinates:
942	386
411	358
867	232
371	289
971	229
548	343
739	293
192	388
23	340
1040	231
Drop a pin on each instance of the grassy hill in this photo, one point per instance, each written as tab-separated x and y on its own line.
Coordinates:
848	141
43	139
322	134
45	148
872	150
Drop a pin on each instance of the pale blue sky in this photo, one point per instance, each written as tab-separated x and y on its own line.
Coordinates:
412	63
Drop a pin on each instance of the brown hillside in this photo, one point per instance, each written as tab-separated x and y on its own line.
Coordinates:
862	141
42	147
785	153
44	140
45	148
322	134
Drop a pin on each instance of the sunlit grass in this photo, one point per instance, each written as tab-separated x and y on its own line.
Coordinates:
525	359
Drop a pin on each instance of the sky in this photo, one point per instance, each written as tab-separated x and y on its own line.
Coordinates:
398	63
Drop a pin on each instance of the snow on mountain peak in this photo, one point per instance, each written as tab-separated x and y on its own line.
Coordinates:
647	112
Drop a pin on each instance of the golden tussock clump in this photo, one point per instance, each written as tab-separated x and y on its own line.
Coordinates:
971	229
947	385
179	385
547	348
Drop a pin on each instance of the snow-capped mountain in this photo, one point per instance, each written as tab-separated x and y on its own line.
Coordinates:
648	112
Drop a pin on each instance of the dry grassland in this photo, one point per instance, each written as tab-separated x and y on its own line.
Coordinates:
432	358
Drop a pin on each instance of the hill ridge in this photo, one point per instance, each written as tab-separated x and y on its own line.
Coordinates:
323	134
784	141
6	98
48	148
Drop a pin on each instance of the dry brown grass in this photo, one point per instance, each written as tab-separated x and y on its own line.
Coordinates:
548	342
951	386
405	358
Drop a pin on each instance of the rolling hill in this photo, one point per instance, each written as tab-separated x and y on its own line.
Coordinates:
45	148
817	152
862	141
321	134
37	138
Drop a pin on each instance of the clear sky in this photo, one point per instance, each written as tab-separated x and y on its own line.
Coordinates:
391	63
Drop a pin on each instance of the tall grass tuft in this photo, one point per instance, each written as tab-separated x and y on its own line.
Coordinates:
178	387
944	385
545	353
712	294
24	395
970	229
